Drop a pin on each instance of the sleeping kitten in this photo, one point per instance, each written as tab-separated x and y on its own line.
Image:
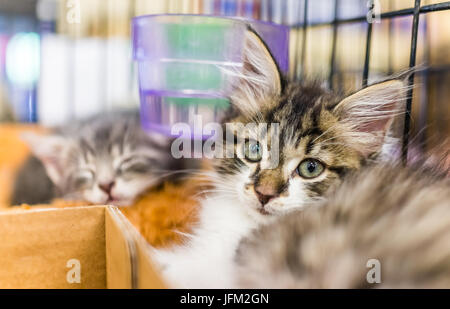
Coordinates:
322	137
399	216
106	159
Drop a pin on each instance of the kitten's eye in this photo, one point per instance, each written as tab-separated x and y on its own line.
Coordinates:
310	168
84	179
252	151
139	166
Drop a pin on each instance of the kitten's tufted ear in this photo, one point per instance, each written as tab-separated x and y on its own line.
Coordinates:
260	79
370	113
52	151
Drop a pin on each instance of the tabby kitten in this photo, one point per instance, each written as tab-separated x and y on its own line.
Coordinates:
322	137
106	159
398	216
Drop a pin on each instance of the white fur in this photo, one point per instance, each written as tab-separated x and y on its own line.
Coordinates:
226	216
206	260
257	82
233	210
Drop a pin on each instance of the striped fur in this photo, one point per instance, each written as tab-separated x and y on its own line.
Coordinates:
399	216
313	123
341	132
81	158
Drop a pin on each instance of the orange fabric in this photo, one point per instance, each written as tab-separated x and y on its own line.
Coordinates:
161	215
13	152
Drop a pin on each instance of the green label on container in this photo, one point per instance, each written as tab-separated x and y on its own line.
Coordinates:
197	41
219	103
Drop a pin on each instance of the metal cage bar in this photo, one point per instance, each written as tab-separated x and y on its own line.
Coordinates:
415	12
333	44
367	56
305	25
412	63
404	12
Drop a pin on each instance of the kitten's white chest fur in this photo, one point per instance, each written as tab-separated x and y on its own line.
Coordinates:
206	260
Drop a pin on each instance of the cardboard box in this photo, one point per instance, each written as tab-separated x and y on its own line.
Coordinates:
78	247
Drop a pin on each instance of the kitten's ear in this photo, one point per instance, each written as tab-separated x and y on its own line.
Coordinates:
260	79
370	112
51	150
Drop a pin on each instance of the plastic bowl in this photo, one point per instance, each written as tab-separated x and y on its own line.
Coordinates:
184	60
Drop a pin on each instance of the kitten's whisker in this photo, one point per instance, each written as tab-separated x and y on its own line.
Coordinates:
326	131
217	191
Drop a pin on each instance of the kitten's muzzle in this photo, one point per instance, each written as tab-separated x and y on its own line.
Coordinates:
264	195
263	211
107	187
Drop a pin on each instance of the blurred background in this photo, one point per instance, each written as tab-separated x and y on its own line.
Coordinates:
65	59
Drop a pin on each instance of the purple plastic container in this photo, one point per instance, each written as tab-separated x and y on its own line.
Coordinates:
184	63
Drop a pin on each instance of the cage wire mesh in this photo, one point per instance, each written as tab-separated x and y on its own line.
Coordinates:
347	43
381	21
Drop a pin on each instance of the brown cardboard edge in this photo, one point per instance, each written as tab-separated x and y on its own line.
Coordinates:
19	210
120	251
135	261
144	274
22	254
148	277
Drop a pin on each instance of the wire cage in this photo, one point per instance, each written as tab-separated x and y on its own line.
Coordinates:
86	67
415	12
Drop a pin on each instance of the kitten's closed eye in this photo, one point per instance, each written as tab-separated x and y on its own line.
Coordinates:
83	179
136	165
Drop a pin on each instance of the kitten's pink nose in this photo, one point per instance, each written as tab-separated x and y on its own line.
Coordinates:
107	187
265	194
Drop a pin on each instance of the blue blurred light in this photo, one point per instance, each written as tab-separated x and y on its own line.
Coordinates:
23	59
